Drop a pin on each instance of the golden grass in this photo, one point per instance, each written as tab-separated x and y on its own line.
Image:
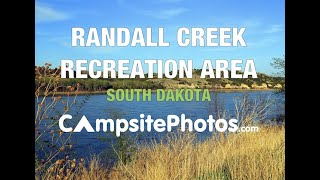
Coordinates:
258	155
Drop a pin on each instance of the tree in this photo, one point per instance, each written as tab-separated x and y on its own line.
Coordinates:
279	64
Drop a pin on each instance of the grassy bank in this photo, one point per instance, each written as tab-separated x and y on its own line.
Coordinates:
257	155
263	81
153	90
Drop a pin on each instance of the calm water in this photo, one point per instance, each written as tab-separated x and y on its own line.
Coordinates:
96	106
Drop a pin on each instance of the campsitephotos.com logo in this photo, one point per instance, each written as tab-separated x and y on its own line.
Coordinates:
147	124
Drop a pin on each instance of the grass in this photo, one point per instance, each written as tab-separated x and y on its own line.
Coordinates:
253	156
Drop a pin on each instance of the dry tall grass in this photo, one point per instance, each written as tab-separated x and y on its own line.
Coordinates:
50	141
258	155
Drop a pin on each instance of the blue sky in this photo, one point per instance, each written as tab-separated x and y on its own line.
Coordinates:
264	22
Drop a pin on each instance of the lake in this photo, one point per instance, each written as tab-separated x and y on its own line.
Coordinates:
96	107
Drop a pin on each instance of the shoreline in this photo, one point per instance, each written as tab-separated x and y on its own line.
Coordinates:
154	90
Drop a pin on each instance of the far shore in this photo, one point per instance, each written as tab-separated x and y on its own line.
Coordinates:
154	90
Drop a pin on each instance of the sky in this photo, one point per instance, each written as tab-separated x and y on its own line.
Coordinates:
264	35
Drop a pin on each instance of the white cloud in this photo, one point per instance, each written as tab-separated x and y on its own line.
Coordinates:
101	50
45	13
265	42
167	13
274	28
62	41
155	13
219	49
169	1
41	33
252	23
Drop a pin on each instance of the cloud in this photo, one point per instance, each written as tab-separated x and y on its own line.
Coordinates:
169	1
103	50
265	42
63	41
252	23
41	33
219	49
44	13
166	13
155	13
274	28
123	2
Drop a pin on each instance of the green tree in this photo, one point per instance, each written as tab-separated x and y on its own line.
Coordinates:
279	64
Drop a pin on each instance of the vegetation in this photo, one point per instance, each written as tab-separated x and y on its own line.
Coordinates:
122	147
279	64
180	156
255	155
97	85
50	141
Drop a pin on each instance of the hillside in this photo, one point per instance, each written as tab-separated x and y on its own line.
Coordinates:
262	82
